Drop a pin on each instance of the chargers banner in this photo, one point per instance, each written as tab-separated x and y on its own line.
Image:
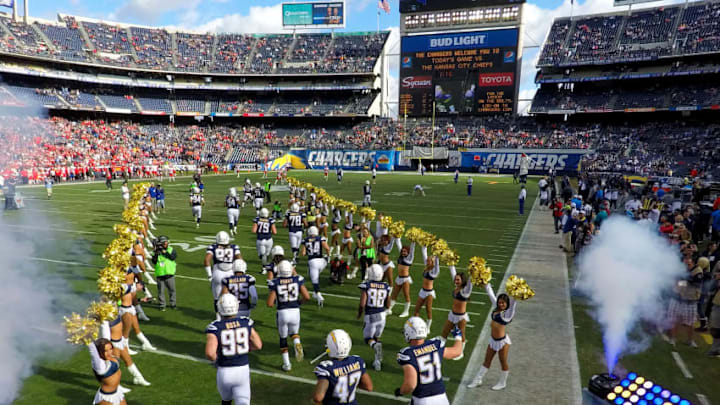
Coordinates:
347	159
508	160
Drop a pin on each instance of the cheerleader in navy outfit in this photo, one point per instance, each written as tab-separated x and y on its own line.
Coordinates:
107	371
501	316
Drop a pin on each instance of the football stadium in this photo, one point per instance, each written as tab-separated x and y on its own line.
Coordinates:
348	202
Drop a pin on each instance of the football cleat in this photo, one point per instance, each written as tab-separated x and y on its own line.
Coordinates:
299	353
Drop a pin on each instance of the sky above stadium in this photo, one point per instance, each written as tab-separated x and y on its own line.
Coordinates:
264	16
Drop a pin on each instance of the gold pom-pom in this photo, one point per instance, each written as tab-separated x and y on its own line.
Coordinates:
396	229
480	272
111	282
102	311
438	246
81	330
449	257
518	288
414	234
386	221
122	230
368	213
427	239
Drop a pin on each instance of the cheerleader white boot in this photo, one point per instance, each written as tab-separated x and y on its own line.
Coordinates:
406	311
478	380
389	310
146	345
429	323
461	354
138	378
503	381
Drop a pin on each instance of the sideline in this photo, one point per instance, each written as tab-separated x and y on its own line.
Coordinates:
543	351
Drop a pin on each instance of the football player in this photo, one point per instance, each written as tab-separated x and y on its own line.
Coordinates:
296	222
219	258
314	246
326	171
232	202
277	254
229	340
264	228
374	302
339	377
242	286
258	198
367	190
289	292
422	364
196	202
247	192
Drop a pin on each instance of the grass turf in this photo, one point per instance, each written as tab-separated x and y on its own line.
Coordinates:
77	225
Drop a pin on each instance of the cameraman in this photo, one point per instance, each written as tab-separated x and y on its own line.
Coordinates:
165	265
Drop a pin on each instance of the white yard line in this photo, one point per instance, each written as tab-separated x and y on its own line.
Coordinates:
681	365
703	399
269	373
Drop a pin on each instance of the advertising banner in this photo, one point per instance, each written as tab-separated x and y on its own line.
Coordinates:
347	159
508	160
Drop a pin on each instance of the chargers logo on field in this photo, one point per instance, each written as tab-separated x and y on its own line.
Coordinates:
406	62
509	57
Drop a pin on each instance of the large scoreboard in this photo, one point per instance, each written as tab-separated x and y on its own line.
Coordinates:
414	6
465	73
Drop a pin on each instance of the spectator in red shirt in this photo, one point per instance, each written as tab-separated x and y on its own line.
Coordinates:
557	212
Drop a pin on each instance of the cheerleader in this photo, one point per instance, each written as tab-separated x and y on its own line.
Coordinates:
107	371
322	214
113	330
403	279
458	317
385	245
128	312
501	316
335	234
347	240
427	294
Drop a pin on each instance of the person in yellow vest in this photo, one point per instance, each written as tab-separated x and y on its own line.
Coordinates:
165	266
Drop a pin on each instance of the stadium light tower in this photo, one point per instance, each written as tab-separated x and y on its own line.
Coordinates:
25	16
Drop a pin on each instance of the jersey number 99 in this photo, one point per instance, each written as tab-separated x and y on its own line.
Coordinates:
234	341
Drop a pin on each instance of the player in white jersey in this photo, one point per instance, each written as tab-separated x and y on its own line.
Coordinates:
219	258
247	192
296	222
228	342
232	203
288	292
196	202
258	198
264	228
374	302
125	193
314	246
367	189
374	174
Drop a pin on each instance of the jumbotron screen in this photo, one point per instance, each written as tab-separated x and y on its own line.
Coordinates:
467	73
416	6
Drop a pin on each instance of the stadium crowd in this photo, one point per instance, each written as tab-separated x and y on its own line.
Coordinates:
654	148
684	214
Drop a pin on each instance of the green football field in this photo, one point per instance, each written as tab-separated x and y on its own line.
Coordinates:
77	226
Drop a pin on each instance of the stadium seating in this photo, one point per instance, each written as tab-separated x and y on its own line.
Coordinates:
644	34
159	49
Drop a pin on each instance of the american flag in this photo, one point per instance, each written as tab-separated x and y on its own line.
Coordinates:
6	3
382	4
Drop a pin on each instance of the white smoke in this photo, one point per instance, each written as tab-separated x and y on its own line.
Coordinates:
30	295
625	273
